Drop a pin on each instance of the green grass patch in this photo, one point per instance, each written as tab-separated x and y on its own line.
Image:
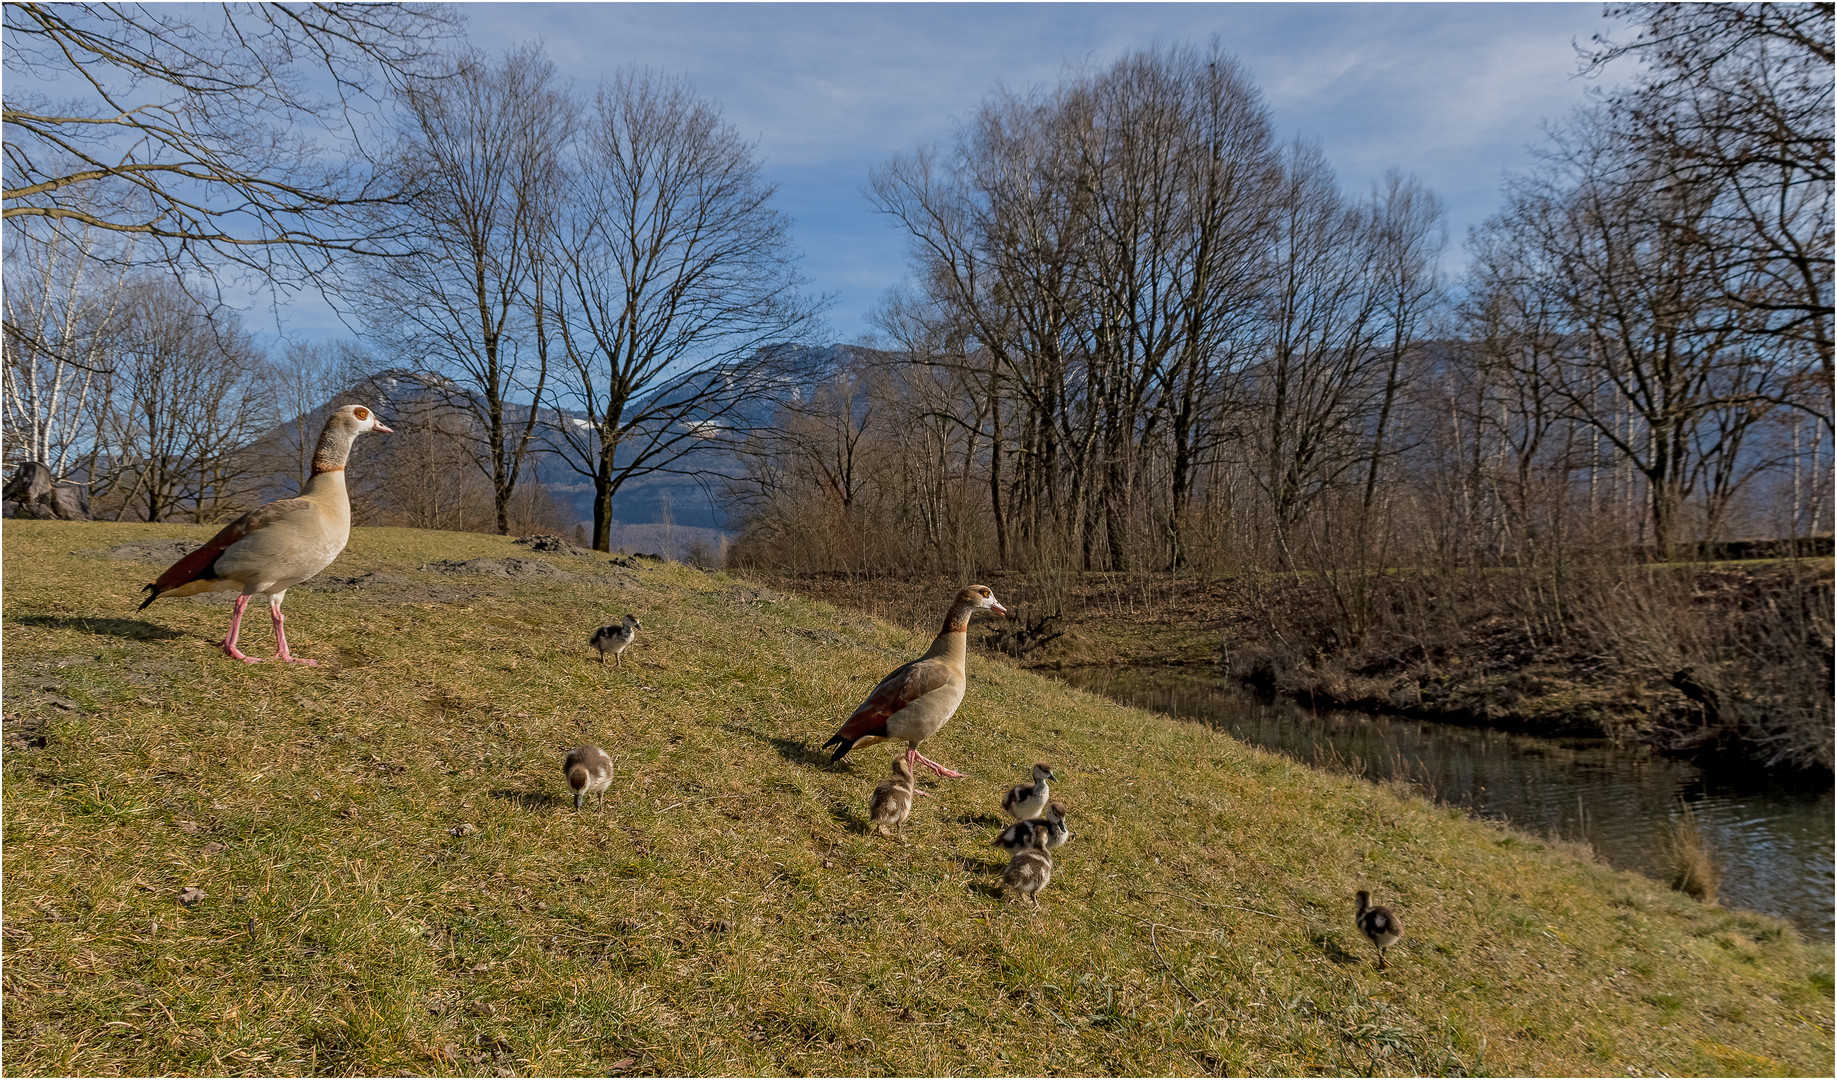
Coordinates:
728	911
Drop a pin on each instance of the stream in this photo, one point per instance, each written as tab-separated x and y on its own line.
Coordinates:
1773	839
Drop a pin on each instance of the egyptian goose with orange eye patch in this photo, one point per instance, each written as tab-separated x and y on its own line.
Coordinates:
269	550
913	703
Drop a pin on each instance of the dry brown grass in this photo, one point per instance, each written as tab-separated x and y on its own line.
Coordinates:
1695	870
729	912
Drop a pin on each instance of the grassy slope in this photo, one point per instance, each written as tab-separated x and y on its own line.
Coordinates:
1200	921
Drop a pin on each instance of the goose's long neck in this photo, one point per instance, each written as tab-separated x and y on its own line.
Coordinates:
329	457
952	642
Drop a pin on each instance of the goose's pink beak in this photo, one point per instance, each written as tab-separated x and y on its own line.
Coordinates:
997	608
385	430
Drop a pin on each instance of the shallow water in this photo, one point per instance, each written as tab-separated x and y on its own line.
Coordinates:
1774	840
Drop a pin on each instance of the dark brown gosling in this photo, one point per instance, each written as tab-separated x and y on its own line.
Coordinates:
1019	836
589	772
1378	924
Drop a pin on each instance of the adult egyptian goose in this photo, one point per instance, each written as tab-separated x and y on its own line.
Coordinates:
1378	924
614	637
914	702
1030	869
891	802
1019	835
272	548
1024	802
589	772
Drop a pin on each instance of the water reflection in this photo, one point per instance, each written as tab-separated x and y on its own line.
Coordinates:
1774	840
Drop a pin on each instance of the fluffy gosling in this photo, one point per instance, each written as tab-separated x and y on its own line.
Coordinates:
1029	870
891	802
614	637
1378	924
1018	836
589	772
1026	801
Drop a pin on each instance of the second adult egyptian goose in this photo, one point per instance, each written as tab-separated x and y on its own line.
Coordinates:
913	703
272	548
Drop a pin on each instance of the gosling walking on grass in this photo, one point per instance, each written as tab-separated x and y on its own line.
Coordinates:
614	637
589	772
1019	836
891	802
1030	869
1027	801
1378	924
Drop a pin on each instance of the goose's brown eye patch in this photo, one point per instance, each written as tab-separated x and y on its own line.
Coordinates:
361	413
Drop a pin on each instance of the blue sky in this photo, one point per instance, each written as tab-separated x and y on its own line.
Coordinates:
1453	93
1450	92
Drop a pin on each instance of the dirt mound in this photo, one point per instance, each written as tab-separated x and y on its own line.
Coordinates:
518	568
380	587
550	542
163	552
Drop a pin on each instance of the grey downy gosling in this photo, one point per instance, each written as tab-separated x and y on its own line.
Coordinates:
1378	924
589	772
614	637
891	802
1019	835
1030	869
1027	801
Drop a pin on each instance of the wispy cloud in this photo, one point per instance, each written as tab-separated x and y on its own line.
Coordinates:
1450	92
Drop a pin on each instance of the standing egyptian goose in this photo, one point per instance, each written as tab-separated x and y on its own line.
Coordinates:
1030	869
891	802
614	637
1024	802
914	702
1019	835
272	548
1378	924
589	771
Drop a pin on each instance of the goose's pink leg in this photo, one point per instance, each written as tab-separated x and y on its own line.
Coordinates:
229	642
912	755
280	639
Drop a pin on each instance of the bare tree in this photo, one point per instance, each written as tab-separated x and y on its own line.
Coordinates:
61	308
1737	99
185	408
204	132
467	291
1652	360
304	383
675	273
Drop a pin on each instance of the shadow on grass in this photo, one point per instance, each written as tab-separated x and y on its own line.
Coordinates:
849	818
985	819
990	889
133	629
531	800
1332	949
994	865
797	753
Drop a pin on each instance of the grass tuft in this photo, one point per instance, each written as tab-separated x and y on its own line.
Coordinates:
1695	870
